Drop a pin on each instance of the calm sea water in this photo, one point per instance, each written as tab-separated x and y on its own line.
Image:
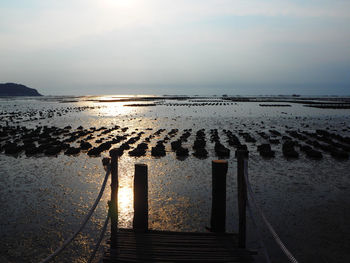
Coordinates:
43	199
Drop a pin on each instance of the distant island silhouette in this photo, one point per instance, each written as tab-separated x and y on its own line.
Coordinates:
13	89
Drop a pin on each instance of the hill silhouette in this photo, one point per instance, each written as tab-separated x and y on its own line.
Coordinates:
13	89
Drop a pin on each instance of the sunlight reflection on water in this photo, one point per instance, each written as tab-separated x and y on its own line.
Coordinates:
125	205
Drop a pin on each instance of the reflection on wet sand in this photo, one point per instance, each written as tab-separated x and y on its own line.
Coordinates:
125	206
50	193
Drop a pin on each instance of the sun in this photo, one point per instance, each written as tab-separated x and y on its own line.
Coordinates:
122	3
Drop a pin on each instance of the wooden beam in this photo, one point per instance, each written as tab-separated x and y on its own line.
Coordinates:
218	208
242	159
140	221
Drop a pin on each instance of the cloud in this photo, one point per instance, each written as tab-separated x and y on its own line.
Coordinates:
165	41
64	21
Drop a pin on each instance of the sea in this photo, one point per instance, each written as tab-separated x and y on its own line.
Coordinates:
44	198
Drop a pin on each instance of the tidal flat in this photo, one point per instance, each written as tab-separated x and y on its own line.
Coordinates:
51	169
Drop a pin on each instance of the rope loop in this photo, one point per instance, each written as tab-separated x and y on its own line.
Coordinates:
267	223
86	219
103	231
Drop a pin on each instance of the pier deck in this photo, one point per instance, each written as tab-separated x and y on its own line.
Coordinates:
165	246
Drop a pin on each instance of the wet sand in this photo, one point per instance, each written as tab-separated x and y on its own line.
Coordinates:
45	196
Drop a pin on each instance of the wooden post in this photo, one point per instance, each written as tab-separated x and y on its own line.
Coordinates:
242	159
113	205
140	221
218	207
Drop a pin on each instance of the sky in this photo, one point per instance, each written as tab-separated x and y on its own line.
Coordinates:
194	47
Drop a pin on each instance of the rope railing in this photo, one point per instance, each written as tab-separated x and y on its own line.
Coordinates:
86	219
266	254
267	223
103	231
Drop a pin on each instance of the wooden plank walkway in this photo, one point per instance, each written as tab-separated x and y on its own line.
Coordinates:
165	246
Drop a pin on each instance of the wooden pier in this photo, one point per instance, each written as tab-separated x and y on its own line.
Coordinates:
143	245
163	246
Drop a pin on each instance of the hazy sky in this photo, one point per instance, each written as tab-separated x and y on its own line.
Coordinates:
176	46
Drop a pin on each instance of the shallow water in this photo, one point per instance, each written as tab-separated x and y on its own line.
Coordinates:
43	199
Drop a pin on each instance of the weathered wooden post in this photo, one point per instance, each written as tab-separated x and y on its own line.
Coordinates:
218	207
140	221
113	205
242	164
